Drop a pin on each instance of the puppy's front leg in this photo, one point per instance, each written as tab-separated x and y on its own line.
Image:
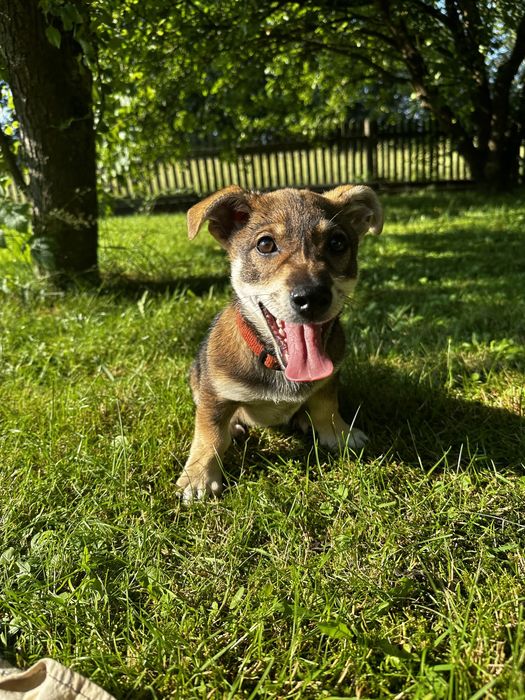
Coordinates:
332	430
202	474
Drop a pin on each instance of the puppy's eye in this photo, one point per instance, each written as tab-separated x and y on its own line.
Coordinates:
266	245
338	242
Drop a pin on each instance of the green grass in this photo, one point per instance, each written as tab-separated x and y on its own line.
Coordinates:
398	573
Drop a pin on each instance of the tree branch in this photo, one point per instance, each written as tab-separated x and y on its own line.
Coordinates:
278	38
10	159
357	56
466	39
432	12
508	69
521	112
429	94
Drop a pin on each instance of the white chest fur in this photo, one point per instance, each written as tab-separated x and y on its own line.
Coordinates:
269	404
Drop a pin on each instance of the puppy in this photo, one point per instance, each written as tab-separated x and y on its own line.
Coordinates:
274	353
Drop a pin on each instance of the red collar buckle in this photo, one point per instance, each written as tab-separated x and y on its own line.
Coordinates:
266	358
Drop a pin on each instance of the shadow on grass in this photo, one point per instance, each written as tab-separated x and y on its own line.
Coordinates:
438	203
411	423
419	424
458	284
134	287
477	257
461	285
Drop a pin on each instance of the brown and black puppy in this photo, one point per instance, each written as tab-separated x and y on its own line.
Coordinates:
273	354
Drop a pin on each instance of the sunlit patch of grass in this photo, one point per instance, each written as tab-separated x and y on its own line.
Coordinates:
395	573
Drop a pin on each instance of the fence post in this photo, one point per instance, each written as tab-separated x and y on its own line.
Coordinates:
370	134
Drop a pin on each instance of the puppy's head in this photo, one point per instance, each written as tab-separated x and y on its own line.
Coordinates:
294	261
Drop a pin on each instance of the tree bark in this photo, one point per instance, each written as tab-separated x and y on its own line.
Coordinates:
52	93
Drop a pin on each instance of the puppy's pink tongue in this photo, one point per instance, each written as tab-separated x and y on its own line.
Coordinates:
307	358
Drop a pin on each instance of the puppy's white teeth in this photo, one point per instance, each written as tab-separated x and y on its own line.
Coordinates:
277	328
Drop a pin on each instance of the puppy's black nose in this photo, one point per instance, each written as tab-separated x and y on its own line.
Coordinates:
311	301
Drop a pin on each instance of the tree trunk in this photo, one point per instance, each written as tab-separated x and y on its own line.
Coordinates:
52	93
490	139
496	167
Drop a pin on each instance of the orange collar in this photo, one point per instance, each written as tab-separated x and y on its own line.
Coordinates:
251	339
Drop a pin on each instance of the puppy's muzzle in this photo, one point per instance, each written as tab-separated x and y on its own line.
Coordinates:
311	301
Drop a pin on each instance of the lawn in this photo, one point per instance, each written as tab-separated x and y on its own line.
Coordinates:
398	572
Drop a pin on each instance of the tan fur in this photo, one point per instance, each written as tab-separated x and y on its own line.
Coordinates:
231	387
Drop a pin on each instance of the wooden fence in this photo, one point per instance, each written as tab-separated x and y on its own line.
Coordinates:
410	153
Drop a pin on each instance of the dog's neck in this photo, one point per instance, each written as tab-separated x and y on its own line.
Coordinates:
252	340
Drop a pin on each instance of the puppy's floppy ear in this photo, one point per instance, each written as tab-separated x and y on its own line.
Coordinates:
226	211
360	208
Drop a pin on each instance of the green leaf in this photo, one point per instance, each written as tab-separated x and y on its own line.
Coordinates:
295	610
392	650
336	630
14	215
8	555
70	16
237	598
53	36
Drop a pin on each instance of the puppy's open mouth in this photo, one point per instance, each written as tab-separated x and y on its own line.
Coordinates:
301	347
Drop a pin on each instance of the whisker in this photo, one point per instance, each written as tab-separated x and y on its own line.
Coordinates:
335	215
254	297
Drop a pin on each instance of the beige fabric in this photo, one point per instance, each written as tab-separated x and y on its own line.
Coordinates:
47	680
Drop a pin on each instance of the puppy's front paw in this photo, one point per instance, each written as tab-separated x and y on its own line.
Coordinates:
239	432
356	439
193	485
337	440
301	422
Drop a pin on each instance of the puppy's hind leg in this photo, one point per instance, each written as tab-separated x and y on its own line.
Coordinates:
239	428
202	475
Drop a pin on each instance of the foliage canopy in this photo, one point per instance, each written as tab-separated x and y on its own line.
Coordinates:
233	70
